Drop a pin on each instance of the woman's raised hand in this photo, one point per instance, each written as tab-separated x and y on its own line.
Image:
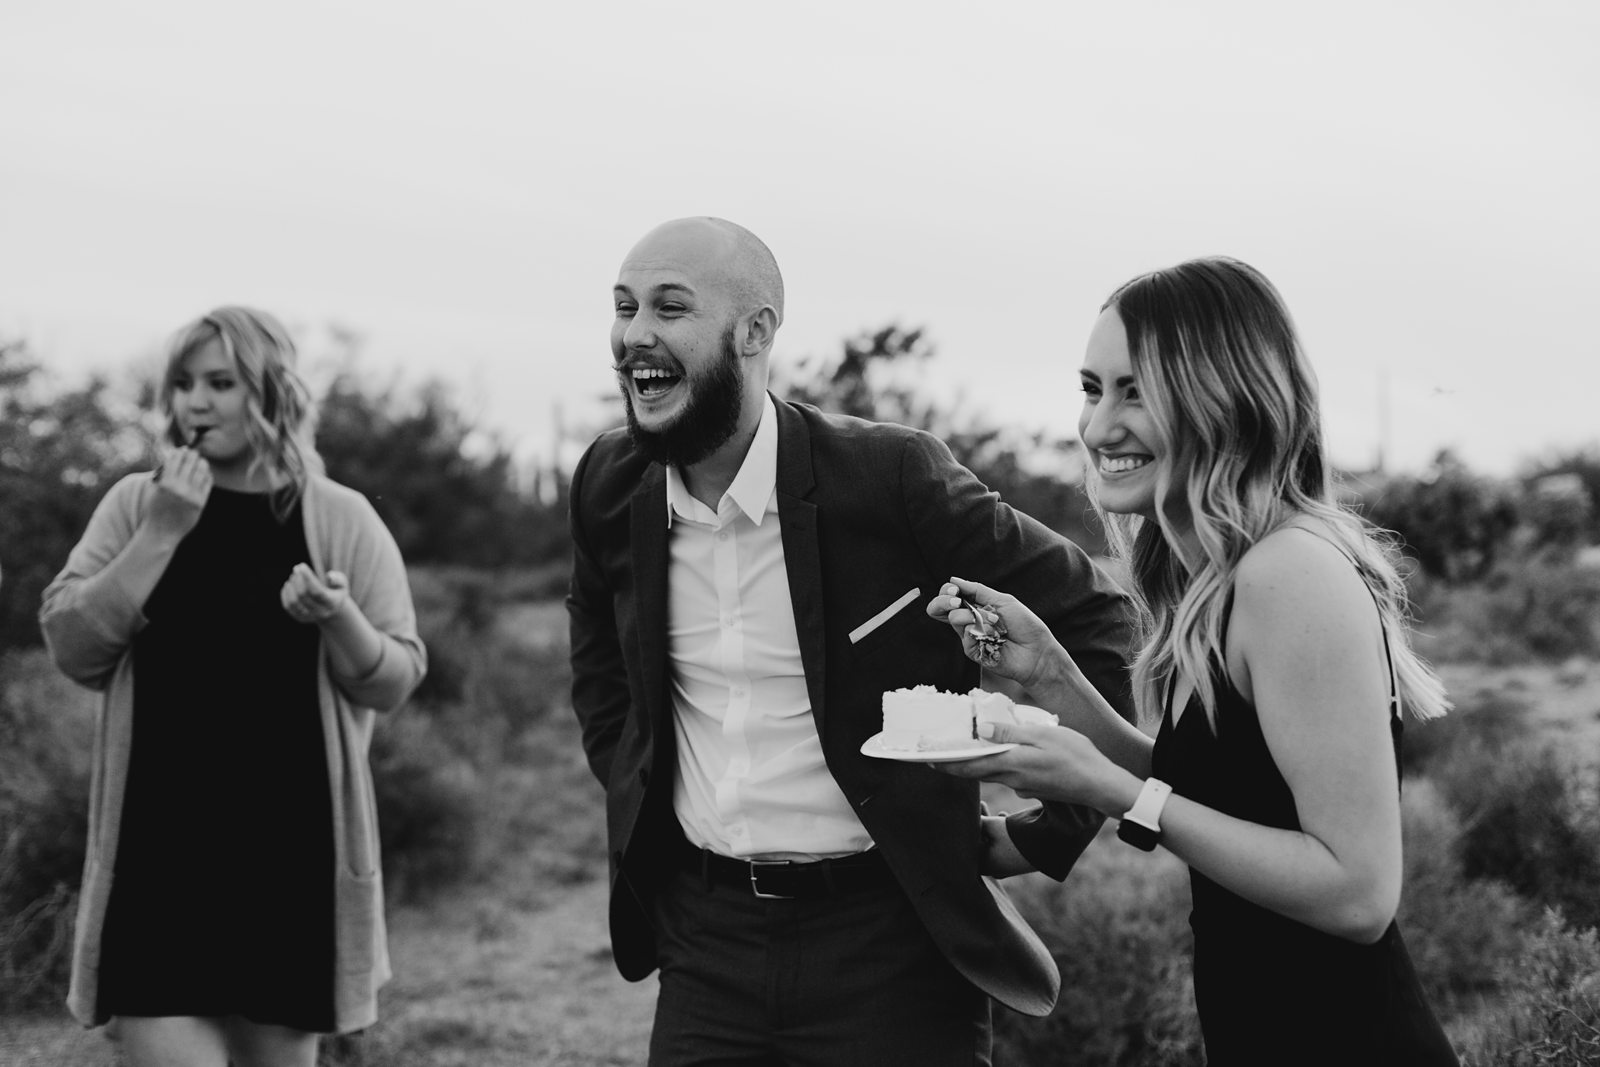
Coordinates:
308	598
183	484
996	629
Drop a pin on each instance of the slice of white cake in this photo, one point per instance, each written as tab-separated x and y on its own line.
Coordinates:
926	719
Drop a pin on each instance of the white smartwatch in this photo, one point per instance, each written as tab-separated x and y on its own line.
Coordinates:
1141	826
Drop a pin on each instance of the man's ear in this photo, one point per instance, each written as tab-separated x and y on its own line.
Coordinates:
759	331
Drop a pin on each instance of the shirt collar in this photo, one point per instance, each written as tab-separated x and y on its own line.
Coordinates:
752	488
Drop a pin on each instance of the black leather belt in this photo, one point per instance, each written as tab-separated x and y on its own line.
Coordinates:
784	880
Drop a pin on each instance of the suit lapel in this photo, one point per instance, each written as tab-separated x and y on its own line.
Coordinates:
648	544
801	556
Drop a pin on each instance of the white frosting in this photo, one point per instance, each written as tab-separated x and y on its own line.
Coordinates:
924	719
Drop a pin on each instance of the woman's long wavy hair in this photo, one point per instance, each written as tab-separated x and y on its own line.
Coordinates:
1220	369
281	417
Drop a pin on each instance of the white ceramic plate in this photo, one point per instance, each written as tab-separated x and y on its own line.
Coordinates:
874	748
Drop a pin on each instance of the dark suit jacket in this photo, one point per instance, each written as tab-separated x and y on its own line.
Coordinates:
868	511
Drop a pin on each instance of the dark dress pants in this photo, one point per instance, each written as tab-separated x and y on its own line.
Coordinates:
848	978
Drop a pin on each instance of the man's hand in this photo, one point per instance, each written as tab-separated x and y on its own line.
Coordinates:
1001	859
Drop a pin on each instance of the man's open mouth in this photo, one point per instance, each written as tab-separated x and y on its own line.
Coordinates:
651	382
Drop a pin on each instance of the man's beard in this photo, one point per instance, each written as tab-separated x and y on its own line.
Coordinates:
706	422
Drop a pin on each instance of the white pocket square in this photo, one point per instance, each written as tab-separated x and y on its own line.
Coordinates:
883	616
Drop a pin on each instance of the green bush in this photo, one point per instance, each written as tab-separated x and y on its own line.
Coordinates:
430	807
436	765
1453	522
1522	815
1538	607
478	660
1459	931
1550	1016
1527	822
1491	718
1119	931
1551	607
45	738
470	732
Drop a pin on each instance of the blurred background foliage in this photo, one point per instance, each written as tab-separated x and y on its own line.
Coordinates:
482	779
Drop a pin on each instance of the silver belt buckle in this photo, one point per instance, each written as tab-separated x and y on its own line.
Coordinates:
755	885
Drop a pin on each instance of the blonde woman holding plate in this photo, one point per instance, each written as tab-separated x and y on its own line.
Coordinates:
1276	658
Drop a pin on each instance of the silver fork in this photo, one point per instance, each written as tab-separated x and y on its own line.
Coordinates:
987	636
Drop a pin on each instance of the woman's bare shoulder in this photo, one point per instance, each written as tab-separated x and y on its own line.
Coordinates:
1296	576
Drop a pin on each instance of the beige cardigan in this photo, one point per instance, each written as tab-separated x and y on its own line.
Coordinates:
89	623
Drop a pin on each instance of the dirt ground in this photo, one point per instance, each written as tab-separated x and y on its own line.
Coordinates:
481	980
516	973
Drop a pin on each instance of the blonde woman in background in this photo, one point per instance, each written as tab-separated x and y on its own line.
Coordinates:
244	617
1276	657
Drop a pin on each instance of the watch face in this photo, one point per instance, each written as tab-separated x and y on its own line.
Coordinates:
1137	835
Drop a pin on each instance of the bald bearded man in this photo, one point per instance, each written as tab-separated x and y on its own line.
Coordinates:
748	579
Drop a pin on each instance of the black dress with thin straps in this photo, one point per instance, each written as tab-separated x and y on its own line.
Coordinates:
1271	990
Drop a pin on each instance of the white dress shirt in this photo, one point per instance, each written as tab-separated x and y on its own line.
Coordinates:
752	782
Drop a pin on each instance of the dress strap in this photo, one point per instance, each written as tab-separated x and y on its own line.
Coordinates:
1394	689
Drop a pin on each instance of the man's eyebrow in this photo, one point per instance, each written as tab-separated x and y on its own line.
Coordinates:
664	287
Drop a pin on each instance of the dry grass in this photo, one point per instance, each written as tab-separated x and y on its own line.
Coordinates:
514	967
1563	700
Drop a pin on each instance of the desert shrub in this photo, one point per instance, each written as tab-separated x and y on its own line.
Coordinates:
1527	822
478	661
1558	512
1459	931
1550	1016
454	609
440	764
1550	607
1488	717
1453	522
45	741
1576	476
1118	929
430	803
1538	607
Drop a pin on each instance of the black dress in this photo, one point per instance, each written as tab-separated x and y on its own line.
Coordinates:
223	897
1271	990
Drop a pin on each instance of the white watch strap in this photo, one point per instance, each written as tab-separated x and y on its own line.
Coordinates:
1146	810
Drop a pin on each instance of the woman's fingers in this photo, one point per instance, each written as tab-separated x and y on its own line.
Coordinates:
308	598
983	768
999	732
186	473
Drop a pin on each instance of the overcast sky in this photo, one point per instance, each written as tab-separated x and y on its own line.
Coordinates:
459	182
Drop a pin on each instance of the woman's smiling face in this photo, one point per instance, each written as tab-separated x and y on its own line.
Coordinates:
1115	425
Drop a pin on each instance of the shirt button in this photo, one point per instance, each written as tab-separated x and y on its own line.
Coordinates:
738	692
723	536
